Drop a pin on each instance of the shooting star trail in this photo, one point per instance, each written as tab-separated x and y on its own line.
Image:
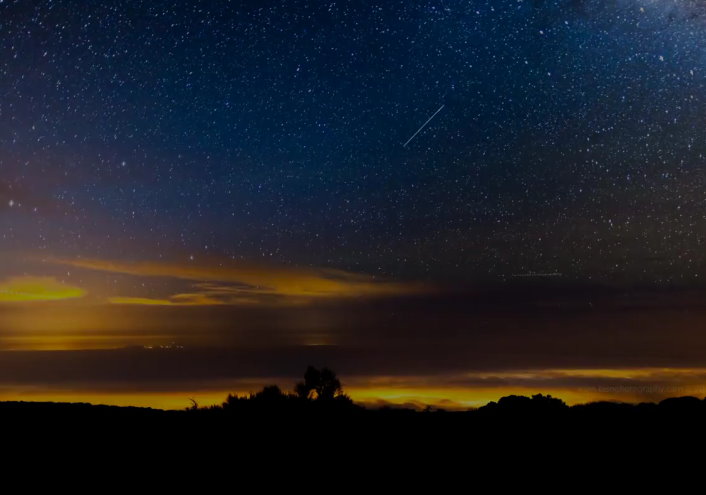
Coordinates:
423	126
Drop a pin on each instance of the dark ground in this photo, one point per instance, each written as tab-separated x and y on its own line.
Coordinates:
284	441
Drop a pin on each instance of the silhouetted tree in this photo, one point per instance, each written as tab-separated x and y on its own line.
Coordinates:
329	386
319	384
301	390
305	389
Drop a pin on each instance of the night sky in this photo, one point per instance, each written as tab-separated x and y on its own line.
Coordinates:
205	196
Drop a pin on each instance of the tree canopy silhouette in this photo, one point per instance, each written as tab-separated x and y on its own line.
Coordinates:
320	390
319	384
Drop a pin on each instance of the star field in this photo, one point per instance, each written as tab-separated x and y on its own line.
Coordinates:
571	140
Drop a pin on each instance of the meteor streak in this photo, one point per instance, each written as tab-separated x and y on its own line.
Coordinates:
423	126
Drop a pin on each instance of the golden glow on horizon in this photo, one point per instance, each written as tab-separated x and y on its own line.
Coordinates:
409	391
623	373
462	397
31	288
626	372
249	280
66	322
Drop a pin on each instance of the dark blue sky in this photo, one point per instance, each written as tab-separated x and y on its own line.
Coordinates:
571	139
199	198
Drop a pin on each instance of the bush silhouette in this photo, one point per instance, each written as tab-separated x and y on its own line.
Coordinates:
537	406
270	393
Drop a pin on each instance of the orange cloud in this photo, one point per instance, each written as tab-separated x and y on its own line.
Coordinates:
140	300
231	283
195	299
30	288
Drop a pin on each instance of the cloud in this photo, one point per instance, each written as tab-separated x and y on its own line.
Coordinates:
194	299
30	288
232	283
